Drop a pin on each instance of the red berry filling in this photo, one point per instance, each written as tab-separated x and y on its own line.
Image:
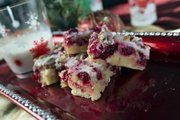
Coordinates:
108	51
65	76
36	75
93	50
97	29
93	38
98	73
81	42
68	41
100	51
72	37
142	60
126	50
84	76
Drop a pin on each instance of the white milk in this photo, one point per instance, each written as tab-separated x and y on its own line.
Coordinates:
15	49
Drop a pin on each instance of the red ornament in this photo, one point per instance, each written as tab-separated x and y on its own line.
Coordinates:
40	48
18	62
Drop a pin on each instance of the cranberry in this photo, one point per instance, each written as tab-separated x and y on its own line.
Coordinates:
101	47
97	29
98	73
65	76
108	51
81	42
68	36
126	50
84	76
142	60
93	50
102	51
93	37
36	76
141	55
68	41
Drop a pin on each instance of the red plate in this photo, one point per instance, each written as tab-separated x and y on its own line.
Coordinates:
152	94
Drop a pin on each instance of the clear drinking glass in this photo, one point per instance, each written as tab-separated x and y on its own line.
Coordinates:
24	35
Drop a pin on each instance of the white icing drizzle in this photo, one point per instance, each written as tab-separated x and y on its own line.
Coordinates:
87	66
72	61
44	60
136	43
48	59
106	36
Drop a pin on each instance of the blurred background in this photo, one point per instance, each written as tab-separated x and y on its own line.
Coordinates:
65	14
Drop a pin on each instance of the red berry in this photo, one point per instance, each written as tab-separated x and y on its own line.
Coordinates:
71	39
126	50
84	76
65	76
68	41
97	29
98	73
36	76
100	51
81	42
142	60
93	50
108	51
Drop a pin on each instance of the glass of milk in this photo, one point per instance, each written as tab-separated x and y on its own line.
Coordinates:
24	35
